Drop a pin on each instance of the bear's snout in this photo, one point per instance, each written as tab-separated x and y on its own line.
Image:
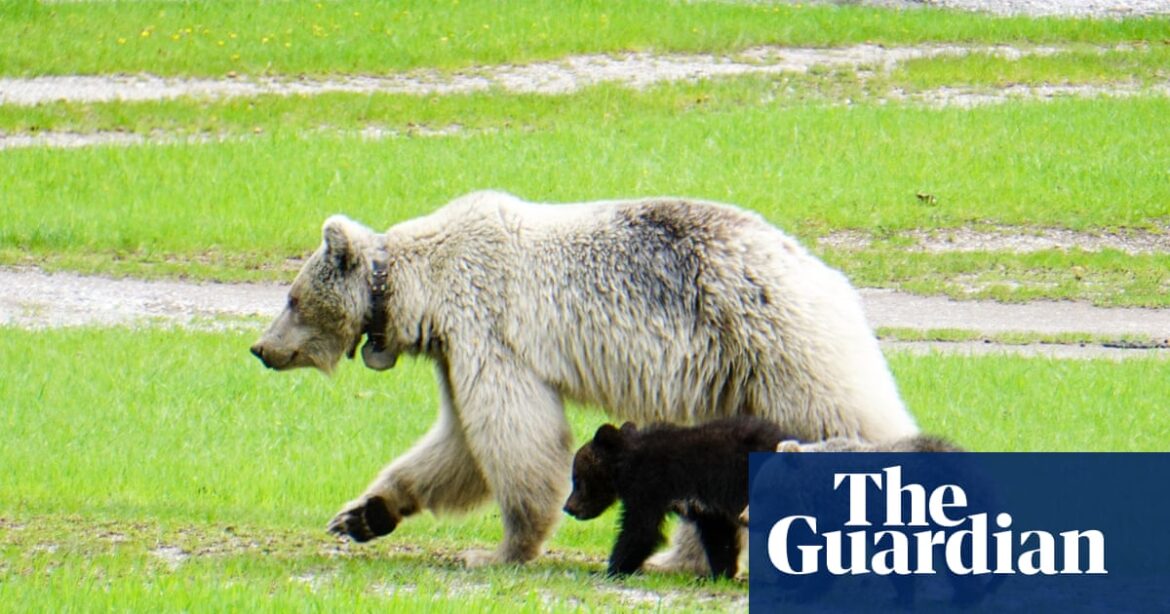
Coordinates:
258	351
574	508
571	507
279	358
273	359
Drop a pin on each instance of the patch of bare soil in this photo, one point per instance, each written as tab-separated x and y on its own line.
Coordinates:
1057	351
557	77
69	140
1015	239
636	70
969	97
34	299
891	309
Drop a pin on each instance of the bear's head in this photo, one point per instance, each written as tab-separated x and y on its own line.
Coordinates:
328	304
595	471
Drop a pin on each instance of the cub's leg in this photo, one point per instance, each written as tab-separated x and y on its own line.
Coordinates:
720	538
640	535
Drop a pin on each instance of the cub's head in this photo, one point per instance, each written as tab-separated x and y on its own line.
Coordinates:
595	470
327	303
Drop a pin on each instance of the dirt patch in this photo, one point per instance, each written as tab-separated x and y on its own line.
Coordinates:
963	97
67	140
310	558
970	97
558	77
1033	8
890	309
1058	8
1014	239
172	556
568	75
34	299
1031	350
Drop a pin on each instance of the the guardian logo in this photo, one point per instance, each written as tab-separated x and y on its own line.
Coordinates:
987	532
920	528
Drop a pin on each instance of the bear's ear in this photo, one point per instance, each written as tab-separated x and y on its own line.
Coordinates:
609	439
338	233
629	428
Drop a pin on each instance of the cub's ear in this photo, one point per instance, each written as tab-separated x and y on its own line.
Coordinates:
340	234
609	439
629	428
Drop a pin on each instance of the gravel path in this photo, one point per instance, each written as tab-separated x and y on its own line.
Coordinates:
888	308
965	97
562	76
1014	239
1034	8
33	299
1060	8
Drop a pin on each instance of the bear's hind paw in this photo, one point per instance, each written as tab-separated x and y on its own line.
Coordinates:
473	559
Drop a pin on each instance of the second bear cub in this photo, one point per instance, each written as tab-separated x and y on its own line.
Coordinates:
700	473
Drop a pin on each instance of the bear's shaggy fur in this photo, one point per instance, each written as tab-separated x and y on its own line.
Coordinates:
658	310
916	443
698	472
913	443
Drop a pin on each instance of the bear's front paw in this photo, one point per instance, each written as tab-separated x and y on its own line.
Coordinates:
364	519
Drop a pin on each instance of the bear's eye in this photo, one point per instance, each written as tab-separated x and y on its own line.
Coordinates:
293	302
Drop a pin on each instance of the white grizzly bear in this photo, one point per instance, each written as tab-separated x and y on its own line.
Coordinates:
661	309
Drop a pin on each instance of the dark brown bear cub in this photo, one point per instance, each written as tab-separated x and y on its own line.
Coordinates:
700	473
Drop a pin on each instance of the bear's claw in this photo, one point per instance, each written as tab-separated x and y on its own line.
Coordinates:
370	517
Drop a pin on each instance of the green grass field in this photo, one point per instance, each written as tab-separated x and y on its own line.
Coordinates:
812	169
162	469
827	151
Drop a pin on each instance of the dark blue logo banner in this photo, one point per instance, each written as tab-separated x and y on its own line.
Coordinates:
1034	532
